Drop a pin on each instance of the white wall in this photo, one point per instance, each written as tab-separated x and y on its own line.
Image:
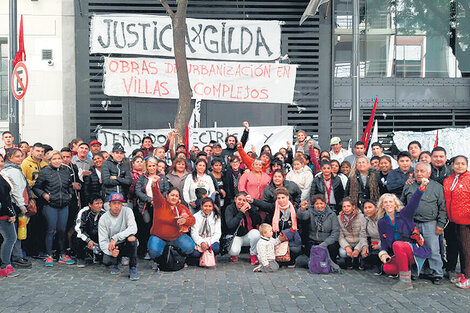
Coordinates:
50	99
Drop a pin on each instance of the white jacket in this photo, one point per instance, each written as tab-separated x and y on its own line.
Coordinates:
215	227
265	249
18	181
303	178
189	188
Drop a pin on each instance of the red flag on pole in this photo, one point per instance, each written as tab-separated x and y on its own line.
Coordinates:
436	143
21	53
370	123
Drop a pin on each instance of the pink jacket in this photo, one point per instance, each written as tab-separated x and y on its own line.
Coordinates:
253	185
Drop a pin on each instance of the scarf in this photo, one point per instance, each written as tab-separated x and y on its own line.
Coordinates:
277	215
348	219
205	231
319	218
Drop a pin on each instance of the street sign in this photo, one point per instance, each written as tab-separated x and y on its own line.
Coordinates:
19	81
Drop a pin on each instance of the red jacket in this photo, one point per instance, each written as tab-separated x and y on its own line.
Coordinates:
458	199
164	223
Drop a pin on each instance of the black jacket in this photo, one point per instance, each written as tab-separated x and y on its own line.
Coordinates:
439	174
229	185
233	218
87	224
92	185
318	187
6	208
269	198
57	182
123	174
140	186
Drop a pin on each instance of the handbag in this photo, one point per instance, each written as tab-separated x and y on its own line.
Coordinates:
171	259
208	259
226	243
32	208
282	252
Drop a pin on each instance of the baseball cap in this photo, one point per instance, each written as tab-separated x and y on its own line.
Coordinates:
118	148
335	141
116	196
95	142
216	145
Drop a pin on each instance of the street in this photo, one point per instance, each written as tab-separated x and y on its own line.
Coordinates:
228	288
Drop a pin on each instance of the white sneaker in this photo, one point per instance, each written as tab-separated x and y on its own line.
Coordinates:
125	261
257	268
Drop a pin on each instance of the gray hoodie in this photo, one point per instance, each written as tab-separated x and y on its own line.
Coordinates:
328	233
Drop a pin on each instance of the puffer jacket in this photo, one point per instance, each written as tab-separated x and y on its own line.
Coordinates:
458	198
57	183
92	185
20	192
303	179
318	187
328	233
86	224
356	239
123	174
6	209
141	184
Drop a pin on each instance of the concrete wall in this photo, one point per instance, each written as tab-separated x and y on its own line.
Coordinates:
49	104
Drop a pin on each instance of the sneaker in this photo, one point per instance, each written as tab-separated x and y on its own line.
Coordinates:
377	270
257	268
3	272
464	283
115	270
155	266
457	278
48	261
234	258
125	261
65	259
254	259
81	263
21	263
402	286
11	272
147	256
133	274
437	280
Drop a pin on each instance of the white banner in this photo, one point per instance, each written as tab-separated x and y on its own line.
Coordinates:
216	80
206	39
455	140
274	136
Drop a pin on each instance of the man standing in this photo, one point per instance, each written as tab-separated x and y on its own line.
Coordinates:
8	141
115	174
430	217
414	148
378	150
147	146
82	161
95	147
337	152
397	178
116	233
439	168
359	149
231	142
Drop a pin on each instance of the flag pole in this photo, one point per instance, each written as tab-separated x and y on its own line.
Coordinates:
13	103
356	67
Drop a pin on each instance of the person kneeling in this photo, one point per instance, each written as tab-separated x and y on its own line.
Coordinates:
85	243
171	222
265	248
207	229
117	229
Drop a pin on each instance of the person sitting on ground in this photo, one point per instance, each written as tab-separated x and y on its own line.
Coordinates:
207	228
265	248
370	256
352	234
171	222
322	228
86	242
242	220
116	234
396	227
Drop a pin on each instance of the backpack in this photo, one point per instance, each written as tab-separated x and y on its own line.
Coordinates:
171	259
319	262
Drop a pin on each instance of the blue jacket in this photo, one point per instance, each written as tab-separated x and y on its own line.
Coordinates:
396	180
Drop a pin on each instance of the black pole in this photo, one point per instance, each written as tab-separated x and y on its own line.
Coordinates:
13	103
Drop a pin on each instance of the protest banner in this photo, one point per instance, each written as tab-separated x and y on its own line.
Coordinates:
455	140
205	39
276	137
210	80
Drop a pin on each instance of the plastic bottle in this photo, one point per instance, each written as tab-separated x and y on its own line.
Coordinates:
22	221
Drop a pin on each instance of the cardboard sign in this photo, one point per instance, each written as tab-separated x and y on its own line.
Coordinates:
205	39
216	80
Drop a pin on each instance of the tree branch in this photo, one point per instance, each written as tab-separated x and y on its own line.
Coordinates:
168	8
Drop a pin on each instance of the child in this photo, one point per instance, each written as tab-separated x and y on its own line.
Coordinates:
265	248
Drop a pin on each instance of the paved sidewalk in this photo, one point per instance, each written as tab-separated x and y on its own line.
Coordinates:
228	288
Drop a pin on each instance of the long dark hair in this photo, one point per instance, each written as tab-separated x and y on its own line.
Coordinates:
194	173
216	208
11	152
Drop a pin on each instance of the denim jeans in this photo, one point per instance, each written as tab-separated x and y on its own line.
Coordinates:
428	230
156	245
56	224
215	248
8	232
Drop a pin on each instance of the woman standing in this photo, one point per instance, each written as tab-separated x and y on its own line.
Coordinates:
385	167
255	181
398	237
93	182
198	179
177	173
457	194
363	183
54	184
335	169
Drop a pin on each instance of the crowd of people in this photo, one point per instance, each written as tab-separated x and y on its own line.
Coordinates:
405	215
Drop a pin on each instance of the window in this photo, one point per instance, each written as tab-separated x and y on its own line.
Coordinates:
4	85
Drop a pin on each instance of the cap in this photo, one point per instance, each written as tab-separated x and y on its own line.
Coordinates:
216	145
95	142
116	196
335	141
118	148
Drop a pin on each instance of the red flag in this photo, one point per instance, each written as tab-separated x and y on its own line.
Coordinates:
21	53
436	143
370	123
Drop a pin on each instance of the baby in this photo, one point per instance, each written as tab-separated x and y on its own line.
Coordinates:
265	248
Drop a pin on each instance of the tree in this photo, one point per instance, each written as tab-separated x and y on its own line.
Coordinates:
178	21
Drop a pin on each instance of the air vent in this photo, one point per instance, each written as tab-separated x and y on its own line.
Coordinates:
47	54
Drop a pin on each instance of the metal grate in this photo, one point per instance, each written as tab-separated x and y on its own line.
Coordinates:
46	54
